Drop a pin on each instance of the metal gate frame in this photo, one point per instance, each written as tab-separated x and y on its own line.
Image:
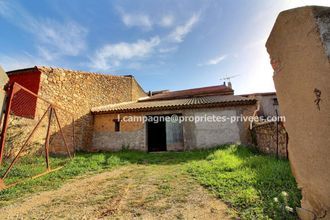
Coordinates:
11	90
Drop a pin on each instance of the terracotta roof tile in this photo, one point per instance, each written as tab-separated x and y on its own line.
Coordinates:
197	102
189	93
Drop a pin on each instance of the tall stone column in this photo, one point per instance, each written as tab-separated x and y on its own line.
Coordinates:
299	49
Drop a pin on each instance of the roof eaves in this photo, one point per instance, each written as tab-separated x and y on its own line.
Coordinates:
18	71
259	94
177	107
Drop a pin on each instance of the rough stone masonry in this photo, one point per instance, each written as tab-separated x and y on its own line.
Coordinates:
78	92
299	48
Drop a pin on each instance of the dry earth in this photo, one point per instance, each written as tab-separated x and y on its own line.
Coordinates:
130	192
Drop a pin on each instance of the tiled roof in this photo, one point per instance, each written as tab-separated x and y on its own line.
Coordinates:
259	94
197	102
189	93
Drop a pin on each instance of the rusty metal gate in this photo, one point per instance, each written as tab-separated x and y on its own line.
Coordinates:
37	136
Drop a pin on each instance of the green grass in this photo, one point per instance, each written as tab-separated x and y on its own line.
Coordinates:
83	163
246	181
249	182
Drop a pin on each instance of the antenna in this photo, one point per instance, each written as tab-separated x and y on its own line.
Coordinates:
227	78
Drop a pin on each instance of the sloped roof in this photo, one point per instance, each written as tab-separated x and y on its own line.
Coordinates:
196	102
259	94
189	93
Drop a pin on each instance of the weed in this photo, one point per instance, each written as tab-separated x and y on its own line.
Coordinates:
245	180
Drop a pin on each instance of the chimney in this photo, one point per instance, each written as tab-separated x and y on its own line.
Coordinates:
229	85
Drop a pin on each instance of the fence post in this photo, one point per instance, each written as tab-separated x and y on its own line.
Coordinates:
47	138
11	90
276	133
25	143
61	132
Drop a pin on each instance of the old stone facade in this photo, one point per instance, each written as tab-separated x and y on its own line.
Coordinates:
195	135
77	92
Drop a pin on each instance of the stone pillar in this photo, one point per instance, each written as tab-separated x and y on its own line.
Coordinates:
299	48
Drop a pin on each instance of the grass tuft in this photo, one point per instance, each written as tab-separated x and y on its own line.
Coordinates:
247	181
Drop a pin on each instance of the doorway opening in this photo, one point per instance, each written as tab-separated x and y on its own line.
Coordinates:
165	135
156	136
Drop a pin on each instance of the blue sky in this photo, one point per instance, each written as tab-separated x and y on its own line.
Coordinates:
164	44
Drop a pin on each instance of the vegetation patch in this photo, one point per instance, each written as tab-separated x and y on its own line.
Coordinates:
247	181
255	186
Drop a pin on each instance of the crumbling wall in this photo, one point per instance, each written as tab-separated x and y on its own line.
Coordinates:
269	139
299	48
195	134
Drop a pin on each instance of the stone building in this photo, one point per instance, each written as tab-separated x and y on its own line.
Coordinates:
268	103
209	117
77	92
100	102
269	134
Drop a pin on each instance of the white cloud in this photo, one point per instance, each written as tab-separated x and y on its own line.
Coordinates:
62	38
179	33
167	21
137	20
111	55
143	20
20	61
167	49
53	38
213	61
4	9
46	54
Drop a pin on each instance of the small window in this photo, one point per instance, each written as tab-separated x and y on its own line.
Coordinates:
275	101
117	125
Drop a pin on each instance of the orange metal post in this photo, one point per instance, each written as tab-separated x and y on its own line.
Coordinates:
59	125
47	139
22	148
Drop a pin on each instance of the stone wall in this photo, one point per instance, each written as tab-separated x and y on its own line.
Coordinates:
78	92
265	138
195	135
299	49
131	135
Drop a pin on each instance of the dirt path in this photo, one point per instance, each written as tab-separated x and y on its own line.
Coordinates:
130	192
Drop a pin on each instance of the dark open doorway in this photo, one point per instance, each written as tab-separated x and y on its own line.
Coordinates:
156	136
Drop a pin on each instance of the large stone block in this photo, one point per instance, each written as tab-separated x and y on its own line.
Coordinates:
299	48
